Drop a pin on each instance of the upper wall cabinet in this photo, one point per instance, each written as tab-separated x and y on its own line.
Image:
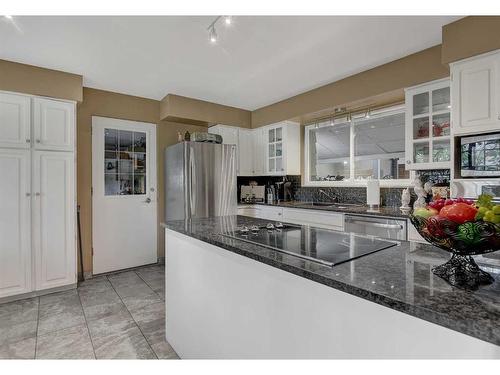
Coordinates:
475	86
54	125
282	152
428	126
270	150
14	121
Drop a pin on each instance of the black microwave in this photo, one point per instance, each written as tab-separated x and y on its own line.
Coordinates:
480	156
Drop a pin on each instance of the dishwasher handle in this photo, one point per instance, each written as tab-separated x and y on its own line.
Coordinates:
377	225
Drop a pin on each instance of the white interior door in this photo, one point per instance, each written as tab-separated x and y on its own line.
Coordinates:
124	198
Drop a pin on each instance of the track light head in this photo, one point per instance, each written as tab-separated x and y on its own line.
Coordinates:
212	35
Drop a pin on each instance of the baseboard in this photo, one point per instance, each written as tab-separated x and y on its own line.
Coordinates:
37	293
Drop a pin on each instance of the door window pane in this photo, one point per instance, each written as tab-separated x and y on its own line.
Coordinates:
279	164
124	162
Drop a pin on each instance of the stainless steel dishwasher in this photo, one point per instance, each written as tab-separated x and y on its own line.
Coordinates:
383	227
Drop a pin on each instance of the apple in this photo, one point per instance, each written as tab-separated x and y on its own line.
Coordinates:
425	212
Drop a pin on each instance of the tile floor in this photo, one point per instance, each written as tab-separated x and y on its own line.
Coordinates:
118	316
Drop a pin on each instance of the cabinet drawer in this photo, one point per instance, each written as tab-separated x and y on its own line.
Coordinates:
314	217
247	211
269	213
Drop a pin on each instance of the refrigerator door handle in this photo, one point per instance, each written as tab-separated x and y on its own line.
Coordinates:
192	175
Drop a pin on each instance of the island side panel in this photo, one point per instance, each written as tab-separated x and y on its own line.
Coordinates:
224	305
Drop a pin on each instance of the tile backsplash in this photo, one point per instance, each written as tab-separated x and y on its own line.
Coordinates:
388	196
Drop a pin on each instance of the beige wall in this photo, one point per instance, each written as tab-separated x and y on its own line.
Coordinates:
33	80
182	109
126	107
470	36
420	67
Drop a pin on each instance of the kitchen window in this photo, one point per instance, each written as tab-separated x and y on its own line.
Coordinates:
343	152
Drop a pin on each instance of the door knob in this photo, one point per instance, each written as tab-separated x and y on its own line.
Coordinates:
148	200
38	141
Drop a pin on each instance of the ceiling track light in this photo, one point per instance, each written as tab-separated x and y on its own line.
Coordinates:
367	115
212	33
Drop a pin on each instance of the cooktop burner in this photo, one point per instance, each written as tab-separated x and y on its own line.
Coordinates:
323	246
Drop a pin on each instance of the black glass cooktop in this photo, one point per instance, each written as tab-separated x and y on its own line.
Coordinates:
324	246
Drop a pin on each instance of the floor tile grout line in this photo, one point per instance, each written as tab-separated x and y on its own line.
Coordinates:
37	324
86	324
140	330
145	282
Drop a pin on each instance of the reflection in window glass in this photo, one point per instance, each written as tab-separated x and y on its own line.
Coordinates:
379	147
329	148
124	162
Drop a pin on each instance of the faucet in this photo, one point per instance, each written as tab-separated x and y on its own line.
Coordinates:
333	199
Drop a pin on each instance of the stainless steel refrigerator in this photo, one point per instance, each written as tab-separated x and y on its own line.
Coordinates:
200	180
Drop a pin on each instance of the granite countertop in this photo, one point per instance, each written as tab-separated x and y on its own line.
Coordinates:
354	209
399	277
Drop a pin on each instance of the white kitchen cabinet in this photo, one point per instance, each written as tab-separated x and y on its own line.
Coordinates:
37	197
282	149
258	152
15	222
428	126
54	218
475	86
15	121
230	135
262	212
53	125
245	152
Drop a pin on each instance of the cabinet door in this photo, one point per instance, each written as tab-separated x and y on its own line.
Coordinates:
475	95
54	219
245	152
54	125
275	145
15	222
14	121
259	148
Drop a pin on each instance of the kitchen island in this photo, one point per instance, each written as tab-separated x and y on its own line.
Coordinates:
226	298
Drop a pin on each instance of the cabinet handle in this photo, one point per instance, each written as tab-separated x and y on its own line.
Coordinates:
37	194
37	141
28	140
28	194
408	162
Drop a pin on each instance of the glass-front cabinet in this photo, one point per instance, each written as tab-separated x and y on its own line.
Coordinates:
282	148
428	140
275	150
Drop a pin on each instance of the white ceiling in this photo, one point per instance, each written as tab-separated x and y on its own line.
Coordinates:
257	61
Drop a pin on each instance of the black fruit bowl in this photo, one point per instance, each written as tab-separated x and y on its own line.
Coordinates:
463	241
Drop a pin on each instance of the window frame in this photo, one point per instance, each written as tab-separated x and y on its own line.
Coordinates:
352	181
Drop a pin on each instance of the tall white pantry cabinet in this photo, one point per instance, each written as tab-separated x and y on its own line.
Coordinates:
37	194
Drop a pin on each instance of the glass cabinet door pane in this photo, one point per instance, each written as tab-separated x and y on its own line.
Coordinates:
279	164
421	104
272	151
441	151
271	165
420	128
441	125
279	134
279	149
441	99
420	152
272	136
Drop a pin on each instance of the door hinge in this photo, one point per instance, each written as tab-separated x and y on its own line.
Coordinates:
92	251
92	190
